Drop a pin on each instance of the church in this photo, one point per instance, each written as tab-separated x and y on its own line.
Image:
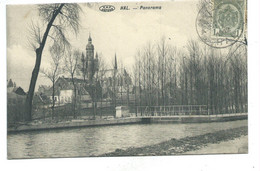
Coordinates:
90	65
93	83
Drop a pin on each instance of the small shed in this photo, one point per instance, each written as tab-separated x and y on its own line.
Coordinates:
122	111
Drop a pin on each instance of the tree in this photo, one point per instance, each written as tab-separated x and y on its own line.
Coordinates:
57	19
135	78
114	84
196	75
71	61
54	71
100	78
162	49
83	67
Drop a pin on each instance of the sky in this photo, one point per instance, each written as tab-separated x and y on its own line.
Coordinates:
120	32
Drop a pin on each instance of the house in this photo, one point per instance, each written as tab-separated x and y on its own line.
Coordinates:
15	102
64	91
43	88
118	79
11	88
95	85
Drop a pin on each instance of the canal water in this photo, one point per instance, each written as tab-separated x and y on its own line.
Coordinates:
90	141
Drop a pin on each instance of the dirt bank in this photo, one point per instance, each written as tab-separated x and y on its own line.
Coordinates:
238	145
184	145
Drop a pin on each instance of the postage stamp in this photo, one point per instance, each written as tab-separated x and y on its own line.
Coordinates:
221	23
228	18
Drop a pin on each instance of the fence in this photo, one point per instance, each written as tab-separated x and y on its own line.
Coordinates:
172	110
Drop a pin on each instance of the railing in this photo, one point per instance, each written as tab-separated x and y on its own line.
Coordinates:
172	110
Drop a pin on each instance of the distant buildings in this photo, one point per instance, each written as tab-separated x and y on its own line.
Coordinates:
64	91
15	102
11	88
93	84
43	88
118	83
113	84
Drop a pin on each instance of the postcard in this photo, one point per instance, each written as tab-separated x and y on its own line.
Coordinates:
106	79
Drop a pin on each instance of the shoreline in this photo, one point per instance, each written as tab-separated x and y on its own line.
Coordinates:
188	145
237	145
128	120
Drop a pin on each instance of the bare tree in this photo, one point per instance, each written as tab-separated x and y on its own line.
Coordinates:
162	50
114	82
57	19
71	61
135	78
83	67
100	78
171	79
54	71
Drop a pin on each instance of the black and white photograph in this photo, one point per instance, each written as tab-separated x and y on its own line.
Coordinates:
127	79
121	80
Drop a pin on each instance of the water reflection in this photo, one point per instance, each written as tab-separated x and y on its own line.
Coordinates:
99	140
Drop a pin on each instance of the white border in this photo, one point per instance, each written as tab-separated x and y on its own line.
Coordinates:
244	162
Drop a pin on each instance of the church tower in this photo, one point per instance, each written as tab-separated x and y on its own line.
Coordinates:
90	58
91	62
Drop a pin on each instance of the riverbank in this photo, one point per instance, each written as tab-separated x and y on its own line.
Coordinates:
95	141
189	144
35	126
237	145
77	123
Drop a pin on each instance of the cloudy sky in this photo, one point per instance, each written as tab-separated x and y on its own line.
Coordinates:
120	32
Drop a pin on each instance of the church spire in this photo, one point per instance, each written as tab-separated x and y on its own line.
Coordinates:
115	67
90	46
89	38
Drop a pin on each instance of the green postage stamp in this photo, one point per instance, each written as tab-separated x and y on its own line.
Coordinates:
228	18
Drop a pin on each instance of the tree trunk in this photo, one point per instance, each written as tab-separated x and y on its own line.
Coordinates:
53	100
29	98
101	101
35	73
75	101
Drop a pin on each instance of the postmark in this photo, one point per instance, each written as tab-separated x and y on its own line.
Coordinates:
220	23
